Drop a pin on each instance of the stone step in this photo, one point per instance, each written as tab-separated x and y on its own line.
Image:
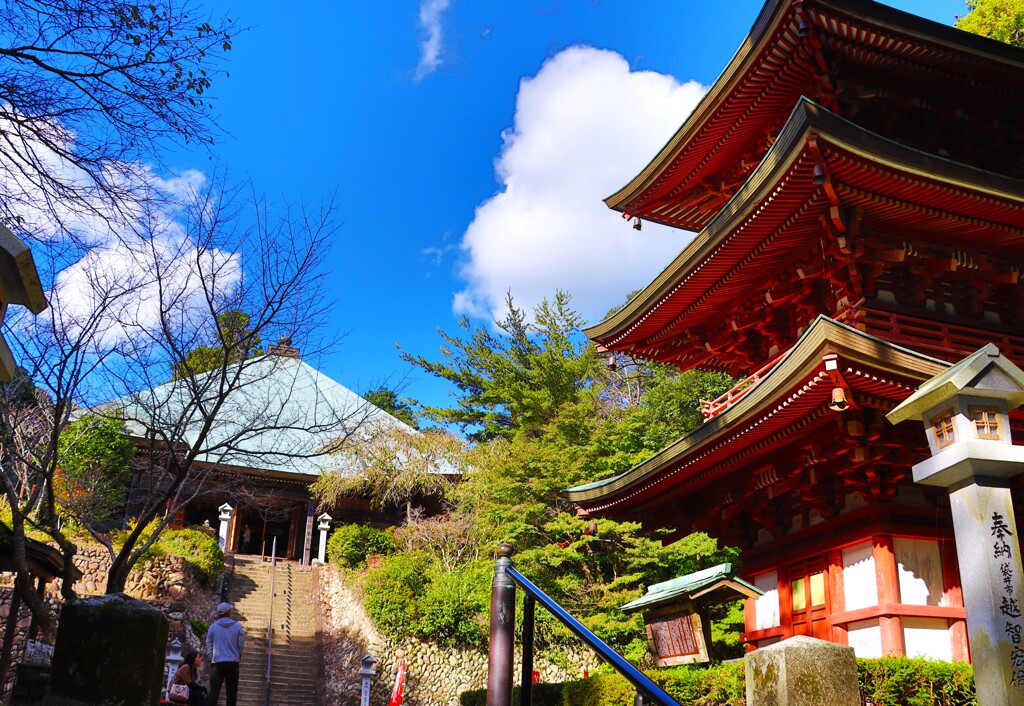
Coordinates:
294	629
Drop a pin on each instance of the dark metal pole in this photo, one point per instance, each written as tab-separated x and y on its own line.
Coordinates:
526	689
270	620
503	628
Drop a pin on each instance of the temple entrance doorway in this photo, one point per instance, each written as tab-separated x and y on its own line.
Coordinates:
809	599
275	540
259	527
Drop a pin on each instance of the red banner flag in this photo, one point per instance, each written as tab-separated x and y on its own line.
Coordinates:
396	694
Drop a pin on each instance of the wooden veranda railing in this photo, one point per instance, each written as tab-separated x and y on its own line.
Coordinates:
502	645
712	408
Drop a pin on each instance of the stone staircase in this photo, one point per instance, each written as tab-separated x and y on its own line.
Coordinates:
293	659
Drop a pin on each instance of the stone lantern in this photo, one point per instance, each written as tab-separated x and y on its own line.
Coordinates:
225	518
324	525
174	660
367	670
966	417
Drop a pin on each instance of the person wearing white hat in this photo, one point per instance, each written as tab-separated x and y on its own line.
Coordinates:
224	642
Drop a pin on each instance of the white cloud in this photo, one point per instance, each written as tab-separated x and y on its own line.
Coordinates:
432	46
97	261
584	126
114	289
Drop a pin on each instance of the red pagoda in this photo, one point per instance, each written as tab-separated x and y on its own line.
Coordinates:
855	178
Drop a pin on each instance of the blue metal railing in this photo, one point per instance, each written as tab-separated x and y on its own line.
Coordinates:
499	692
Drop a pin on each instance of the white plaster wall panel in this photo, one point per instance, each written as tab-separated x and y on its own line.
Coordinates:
865	637
919	564
860	587
927	637
766	608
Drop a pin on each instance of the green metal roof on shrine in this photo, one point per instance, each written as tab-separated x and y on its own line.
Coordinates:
278	419
717	580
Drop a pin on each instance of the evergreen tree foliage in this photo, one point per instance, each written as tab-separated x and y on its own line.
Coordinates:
546	415
385	398
235	341
1002	20
94	457
513	380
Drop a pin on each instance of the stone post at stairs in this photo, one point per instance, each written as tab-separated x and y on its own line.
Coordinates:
324	524
109	650
225	519
802	671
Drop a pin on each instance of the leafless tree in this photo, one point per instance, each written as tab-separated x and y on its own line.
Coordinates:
119	326
393	465
92	90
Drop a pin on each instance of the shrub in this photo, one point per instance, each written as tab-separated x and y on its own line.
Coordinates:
717	685
199	627
349	545
543	695
451	605
712	685
392	593
202	553
890	681
903	681
599	690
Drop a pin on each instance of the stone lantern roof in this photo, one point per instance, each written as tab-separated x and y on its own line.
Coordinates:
984	373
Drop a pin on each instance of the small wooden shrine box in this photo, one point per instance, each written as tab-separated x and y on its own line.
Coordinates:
676	612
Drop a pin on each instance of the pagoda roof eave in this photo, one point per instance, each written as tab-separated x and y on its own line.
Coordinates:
767	398
807	119
693	132
771	14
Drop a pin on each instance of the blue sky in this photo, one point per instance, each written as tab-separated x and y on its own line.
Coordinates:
469	145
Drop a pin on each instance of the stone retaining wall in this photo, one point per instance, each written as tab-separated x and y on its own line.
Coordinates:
435	676
164	582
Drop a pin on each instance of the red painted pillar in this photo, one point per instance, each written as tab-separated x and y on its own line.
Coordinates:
888	594
785	604
837	594
953	596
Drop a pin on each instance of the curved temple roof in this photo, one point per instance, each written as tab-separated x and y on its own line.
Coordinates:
278	420
777	212
783	58
794	393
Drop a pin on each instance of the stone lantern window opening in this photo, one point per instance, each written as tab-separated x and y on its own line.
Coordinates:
944	429
986	422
